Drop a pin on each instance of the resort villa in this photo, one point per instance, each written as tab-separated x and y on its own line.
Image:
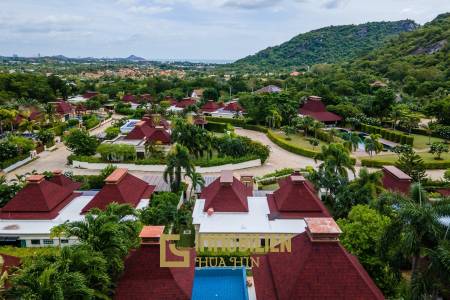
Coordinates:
82	98
151	129
229	206
315	108
222	110
43	203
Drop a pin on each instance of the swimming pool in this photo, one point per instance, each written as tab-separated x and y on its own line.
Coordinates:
225	283
128	126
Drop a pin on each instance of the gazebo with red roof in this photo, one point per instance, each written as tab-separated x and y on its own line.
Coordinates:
318	267
123	188
296	198
39	199
226	194
315	108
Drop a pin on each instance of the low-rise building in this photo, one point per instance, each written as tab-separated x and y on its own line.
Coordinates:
396	180
315	108
27	219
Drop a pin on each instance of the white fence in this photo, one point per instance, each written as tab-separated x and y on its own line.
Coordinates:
161	168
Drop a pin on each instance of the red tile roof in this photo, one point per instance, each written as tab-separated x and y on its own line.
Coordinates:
144	279
313	270
230	196
156	134
396	180
121	187
64	181
315	108
8	262
149	120
444	192
89	94
210	106
185	102
151	231
233	106
146	98
296	198
129	98
39	199
63	108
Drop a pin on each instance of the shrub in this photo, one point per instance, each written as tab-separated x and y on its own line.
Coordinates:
25	145
234	122
72	122
255	128
217	127
117	152
447	175
8	162
90	121
8	150
112	132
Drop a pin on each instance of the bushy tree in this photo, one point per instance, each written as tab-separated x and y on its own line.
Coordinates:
410	162
437	149
81	143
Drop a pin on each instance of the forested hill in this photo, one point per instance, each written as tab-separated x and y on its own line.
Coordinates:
328	45
417	61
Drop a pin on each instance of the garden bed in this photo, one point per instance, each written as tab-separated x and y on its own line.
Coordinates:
14	163
292	146
430	162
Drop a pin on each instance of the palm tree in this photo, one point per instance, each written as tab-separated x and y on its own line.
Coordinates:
50	112
429	131
336	159
372	144
27	125
58	232
415	225
196	180
177	160
315	126
305	124
276	118
397	112
352	141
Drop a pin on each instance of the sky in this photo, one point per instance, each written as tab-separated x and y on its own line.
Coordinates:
183	29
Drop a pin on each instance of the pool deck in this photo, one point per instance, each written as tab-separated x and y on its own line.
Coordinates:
251	289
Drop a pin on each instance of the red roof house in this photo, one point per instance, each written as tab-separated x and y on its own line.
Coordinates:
226	194
144	278
396	180
210	106
129	98
296	198
318	267
63	107
155	134
233	106
89	94
39	199
315	108
146	98
123	188
185	103
150	121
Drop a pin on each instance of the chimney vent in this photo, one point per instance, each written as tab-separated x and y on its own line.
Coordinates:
116	176
226	178
35	179
210	211
297	179
322	229
150	235
57	172
247	180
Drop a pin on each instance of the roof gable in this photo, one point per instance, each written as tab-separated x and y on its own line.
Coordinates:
64	181
296	198
309	271
39	196
226	196
123	188
139	132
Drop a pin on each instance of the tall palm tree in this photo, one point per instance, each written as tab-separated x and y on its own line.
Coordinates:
196	180
397	112
177	160
315	126
305	124
372	144
336	159
50	112
415	225
352	141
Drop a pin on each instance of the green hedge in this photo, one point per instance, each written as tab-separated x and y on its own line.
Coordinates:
219	161
6	163
388	134
218	127
434	165
256	128
324	136
290	147
234	122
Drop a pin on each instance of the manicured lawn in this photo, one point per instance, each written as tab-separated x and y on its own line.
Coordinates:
421	141
27	252
300	141
427	157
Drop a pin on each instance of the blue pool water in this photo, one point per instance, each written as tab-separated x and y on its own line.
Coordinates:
226	283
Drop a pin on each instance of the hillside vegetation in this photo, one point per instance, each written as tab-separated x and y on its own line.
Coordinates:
328	45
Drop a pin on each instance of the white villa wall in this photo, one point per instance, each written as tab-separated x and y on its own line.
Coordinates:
161	168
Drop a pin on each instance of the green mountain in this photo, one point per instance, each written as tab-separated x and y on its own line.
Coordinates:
418	61
328	45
